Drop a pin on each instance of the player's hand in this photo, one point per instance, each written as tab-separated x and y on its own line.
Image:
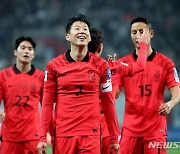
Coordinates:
114	58
2	116
165	108
144	37
114	147
41	147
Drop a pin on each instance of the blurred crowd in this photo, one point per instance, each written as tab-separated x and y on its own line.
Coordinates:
45	21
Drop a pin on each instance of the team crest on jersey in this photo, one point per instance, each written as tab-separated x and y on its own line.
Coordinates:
91	74
108	73
176	75
157	75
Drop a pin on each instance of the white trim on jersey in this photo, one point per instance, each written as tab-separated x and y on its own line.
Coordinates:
45	75
124	64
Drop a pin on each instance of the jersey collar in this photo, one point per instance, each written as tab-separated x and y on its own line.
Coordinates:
150	58
31	72
69	58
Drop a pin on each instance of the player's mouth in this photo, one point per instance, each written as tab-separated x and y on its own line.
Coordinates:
26	56
81	37
137	42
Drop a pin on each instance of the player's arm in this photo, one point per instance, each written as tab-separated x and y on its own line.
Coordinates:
130	69
109	109
140	63
173	84
120	87
1	86
2	114
49	92
166	108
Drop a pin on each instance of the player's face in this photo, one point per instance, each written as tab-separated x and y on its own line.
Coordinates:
79	34
25	52
137	30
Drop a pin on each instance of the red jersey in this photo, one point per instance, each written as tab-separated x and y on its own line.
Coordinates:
21	93
76	88
115	80
144	93
120	69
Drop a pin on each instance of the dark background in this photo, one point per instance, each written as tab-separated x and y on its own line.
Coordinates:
45	21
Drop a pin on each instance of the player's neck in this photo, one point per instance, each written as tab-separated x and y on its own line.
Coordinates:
24	68
78	53
149	52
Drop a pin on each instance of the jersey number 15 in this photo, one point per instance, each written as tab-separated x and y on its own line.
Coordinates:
145	90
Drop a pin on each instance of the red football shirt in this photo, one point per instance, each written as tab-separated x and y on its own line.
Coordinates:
76	88
120	69
144	93
21	93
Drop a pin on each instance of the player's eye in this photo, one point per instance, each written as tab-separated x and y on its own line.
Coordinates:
30	49
85	28
76	28
141	31
22	47
134	32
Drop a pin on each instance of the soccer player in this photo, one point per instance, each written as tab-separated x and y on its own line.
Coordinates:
21	89
145	110
96	46
75	81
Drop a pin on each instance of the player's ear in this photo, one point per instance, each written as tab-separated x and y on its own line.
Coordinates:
33	56
15	52
152	33
67	37
101	47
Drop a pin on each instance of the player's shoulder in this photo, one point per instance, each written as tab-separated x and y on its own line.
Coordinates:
163	58
57	60
6	70
39	71
161	55
126	59
97	59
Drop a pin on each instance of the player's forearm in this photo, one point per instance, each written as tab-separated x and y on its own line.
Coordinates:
110	115
140	64
175	99
46	115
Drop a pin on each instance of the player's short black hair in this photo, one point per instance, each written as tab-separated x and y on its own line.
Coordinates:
24	38
79	17
141	19
96	39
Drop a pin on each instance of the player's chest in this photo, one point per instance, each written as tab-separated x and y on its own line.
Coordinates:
152	73
78	75
23	83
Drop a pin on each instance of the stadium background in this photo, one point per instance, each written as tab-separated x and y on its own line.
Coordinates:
45	21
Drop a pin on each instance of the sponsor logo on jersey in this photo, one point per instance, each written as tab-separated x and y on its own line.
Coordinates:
106	87
176	75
